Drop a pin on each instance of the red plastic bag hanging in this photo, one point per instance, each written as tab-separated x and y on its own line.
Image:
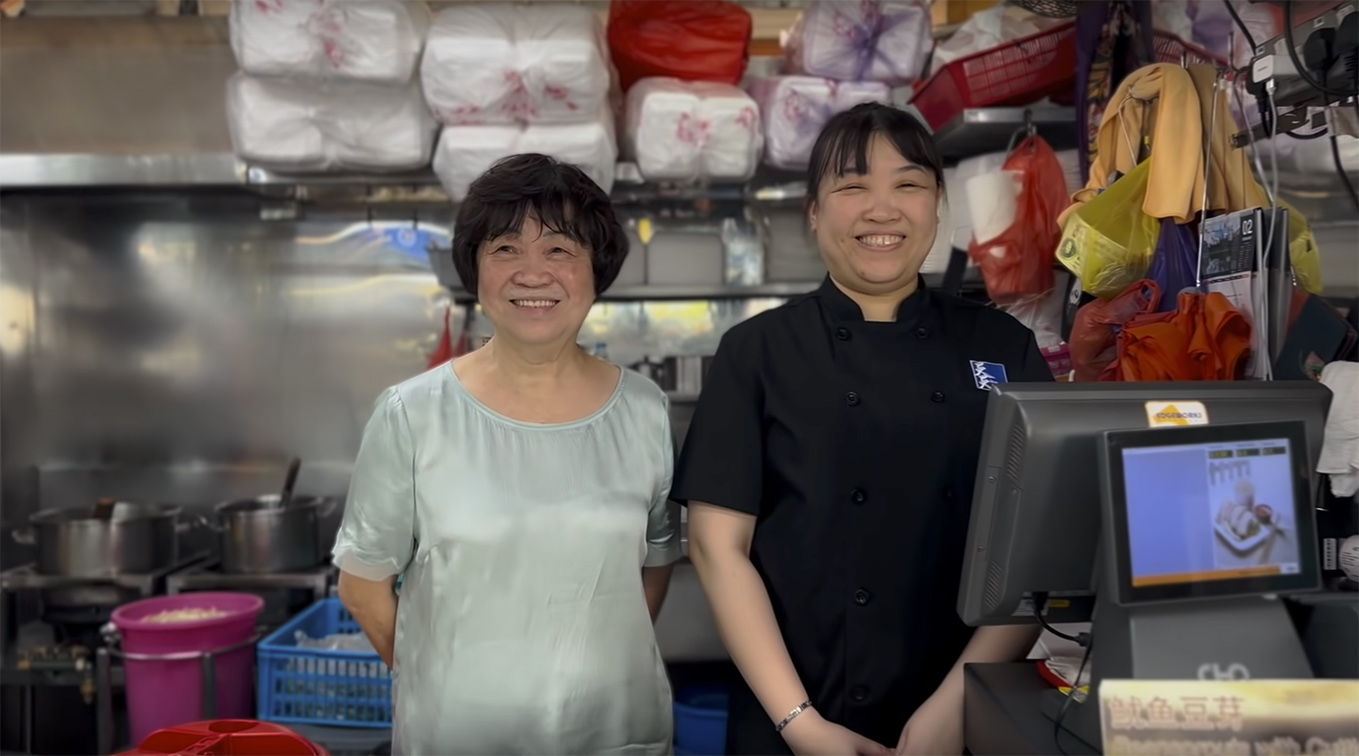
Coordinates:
696	40
447	348
1018	264
1094	335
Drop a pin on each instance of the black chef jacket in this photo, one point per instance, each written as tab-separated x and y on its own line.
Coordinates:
854	444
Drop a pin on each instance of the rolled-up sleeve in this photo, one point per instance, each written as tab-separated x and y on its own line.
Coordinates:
663	521
378	534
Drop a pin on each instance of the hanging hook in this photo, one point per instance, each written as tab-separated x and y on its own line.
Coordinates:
1027	130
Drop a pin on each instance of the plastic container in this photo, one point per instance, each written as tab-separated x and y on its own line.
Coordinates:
317	686
701	720
227	737
165	693
1019	72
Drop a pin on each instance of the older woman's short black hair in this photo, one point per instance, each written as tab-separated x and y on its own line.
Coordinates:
560	196
842	146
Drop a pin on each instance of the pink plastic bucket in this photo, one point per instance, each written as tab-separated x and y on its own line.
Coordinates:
163	694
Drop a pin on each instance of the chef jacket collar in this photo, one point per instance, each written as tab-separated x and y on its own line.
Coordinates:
843	309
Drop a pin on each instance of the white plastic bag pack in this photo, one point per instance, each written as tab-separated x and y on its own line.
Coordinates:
466	152
377	41
690	130
501	63
795	108
300	126
861	40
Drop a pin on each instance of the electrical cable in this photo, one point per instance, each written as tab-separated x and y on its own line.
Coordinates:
1071	695
1250	40
1040	602
1340	169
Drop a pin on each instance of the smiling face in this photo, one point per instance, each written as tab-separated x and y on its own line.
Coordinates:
875	228
535	285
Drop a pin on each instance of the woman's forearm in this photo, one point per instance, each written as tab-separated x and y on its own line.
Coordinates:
745	620
990	644
373	606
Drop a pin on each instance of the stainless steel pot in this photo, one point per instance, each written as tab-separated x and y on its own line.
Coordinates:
257	536
136	540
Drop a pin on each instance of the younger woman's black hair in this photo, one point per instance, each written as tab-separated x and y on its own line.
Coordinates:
560	196
842	146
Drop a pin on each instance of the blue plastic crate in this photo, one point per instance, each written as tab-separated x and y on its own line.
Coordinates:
315	686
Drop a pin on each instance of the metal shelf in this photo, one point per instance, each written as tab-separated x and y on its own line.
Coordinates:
693	292
972	132
982	130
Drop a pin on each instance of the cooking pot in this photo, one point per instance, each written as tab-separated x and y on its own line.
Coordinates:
258	536
137	539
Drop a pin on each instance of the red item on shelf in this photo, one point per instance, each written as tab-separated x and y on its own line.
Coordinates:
227	737
696	40
447	348
1020	72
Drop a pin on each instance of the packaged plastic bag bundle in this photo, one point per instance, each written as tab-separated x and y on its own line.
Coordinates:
795	108
505	63
687	130
861	40
300	126
694	40
375	41
466	152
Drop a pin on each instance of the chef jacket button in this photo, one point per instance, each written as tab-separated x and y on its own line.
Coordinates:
851	398
858	496
937	397
842	334
858	694
861	597
922	333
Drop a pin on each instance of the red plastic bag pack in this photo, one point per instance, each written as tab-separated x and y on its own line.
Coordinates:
695	40
1018	264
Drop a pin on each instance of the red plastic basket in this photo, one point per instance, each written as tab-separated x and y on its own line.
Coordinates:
1017	73
1171	49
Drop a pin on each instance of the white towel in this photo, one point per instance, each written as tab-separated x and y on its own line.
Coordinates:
377	41
465	152
1340	446
494	63
294	125
689	130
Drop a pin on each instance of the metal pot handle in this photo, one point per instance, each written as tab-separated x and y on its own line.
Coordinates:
327	507
23	536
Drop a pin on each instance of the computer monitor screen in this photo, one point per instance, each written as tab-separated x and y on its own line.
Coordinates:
1035	517
1209	511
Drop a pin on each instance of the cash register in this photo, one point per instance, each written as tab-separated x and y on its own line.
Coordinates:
1177	518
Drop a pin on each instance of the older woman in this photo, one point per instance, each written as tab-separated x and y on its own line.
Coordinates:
522	492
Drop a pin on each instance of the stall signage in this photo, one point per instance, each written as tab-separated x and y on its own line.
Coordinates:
1171	414
1229	717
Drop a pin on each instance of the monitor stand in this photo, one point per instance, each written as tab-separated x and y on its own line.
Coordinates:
1212	639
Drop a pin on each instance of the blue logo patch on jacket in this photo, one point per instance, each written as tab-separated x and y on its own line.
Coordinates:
988	374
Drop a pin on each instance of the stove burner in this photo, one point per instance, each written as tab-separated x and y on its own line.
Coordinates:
77	625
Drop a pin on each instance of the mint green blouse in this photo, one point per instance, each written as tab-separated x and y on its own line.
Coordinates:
522	626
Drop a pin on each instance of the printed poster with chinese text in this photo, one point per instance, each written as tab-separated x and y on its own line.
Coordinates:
1229	717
